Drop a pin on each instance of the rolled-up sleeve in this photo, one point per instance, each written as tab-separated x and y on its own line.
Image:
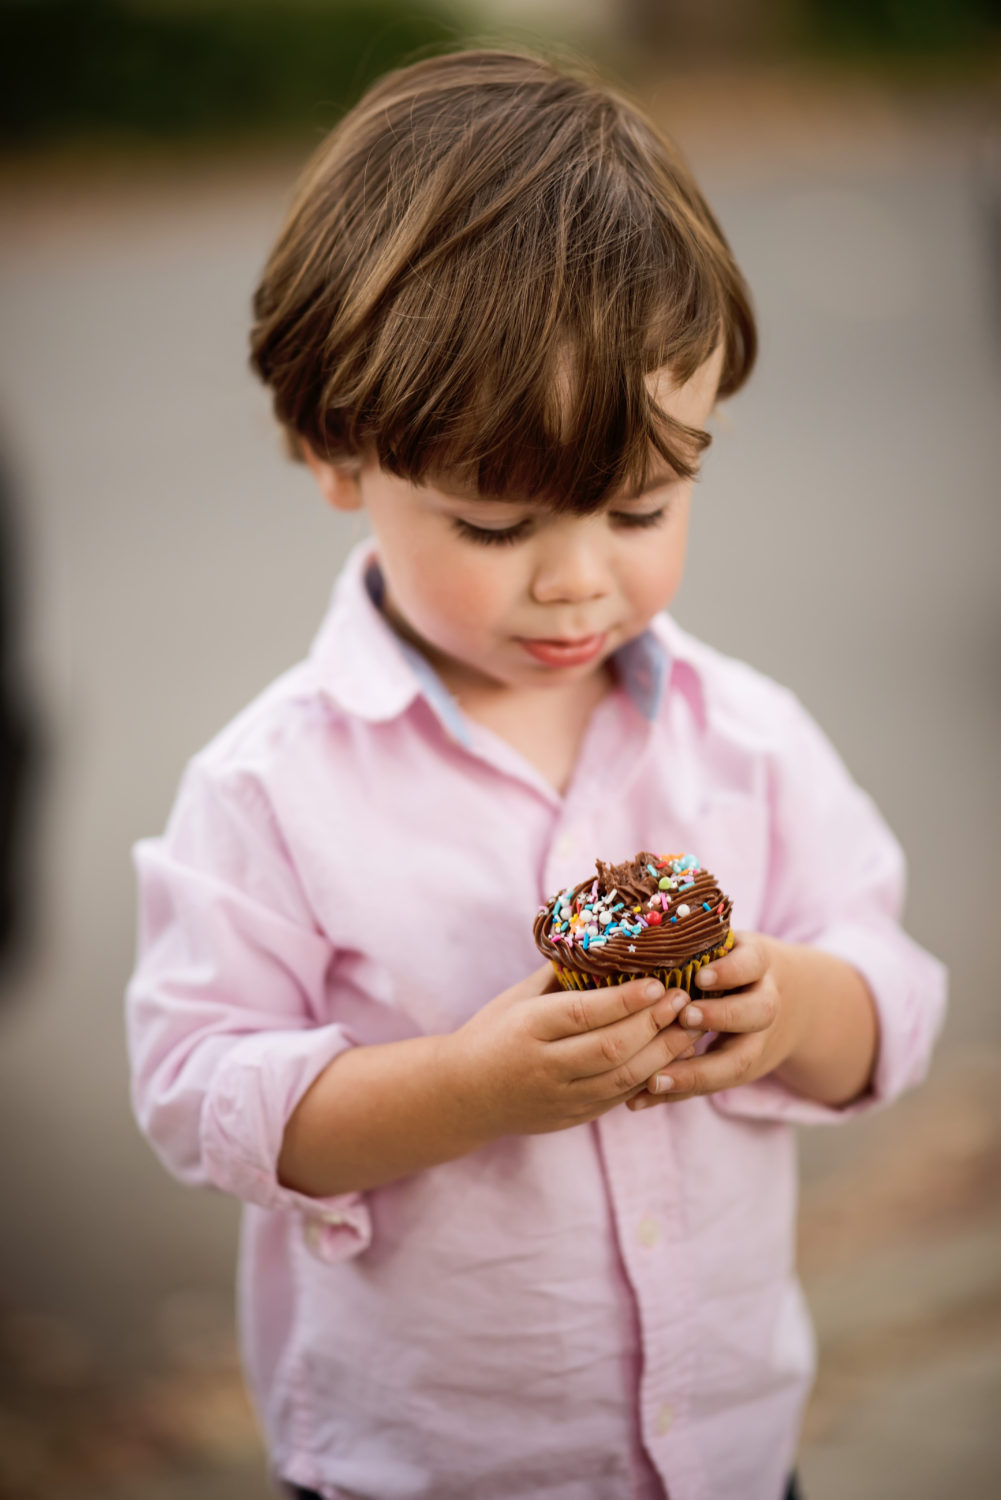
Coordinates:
227	1008
836	881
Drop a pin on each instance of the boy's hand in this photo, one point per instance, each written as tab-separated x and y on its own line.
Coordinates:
539	1058
758	1027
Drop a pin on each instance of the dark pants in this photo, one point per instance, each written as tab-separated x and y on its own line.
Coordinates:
792	1493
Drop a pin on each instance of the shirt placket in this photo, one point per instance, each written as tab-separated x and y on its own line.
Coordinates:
639	1155
609	761
646	1192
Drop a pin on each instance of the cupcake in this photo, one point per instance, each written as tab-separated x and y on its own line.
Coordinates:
657	914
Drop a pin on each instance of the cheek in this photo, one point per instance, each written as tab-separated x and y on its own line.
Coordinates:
467	598
658	574
455	588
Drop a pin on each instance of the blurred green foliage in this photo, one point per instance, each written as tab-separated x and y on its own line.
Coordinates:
99	67
900	28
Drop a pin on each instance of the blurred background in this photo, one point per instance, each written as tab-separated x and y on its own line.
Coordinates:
160	561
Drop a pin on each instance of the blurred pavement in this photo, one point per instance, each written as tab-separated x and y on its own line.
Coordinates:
846	539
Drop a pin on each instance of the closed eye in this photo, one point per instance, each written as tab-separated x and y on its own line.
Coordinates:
490	536
487	536
638	520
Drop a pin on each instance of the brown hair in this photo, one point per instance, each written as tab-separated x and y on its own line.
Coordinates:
481	264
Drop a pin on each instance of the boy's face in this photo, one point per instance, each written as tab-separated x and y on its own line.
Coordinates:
510	595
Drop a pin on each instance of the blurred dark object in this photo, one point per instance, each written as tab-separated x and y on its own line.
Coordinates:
896	28
987	198
19	747
98	67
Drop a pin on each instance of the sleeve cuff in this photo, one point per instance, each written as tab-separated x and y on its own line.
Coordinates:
908	987
254	1091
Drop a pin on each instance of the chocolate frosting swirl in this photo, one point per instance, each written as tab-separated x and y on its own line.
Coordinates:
595	927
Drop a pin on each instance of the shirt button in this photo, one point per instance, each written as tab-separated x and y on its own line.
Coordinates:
333	1217
565	845
665	1420
648	1231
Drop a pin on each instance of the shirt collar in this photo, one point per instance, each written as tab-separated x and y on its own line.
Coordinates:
372	673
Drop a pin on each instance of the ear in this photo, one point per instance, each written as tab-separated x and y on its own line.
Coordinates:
337	483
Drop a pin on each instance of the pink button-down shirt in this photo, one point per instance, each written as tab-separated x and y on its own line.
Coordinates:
609	1312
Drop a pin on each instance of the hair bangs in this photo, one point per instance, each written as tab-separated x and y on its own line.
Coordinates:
485	266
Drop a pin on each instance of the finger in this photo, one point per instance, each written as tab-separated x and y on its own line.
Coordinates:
645	1100
540	982
639	1098
570	1013
598	1052
733	1062
634	1073
753	1010
744	964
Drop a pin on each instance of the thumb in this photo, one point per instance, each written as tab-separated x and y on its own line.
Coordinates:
541	981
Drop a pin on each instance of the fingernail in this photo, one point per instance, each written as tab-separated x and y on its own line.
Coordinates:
693	1016
662	1083
654	990
678	999
695	1036
706	976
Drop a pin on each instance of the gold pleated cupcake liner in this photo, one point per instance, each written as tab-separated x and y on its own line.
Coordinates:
671	979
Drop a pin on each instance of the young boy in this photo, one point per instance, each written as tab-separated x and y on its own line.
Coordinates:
498	319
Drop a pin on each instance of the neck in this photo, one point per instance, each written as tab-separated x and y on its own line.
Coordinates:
545	725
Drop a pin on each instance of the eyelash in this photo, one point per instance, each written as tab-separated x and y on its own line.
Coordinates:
511	534
641	521
488	538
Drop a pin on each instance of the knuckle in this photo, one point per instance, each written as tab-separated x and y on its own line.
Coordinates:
551	1072
577	1011
769	1006
612	1048
624	1079
675	1045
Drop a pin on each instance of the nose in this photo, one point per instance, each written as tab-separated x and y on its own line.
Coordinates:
572	566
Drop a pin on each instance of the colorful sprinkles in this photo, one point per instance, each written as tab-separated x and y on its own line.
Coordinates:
589	920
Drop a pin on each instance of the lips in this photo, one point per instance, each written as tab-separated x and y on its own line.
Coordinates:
564	652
